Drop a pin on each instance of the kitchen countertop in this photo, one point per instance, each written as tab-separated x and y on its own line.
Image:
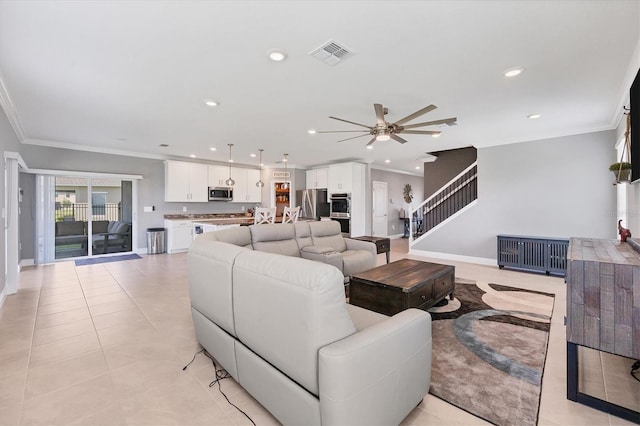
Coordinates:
213	218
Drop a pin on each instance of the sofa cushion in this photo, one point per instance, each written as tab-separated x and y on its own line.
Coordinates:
279	238
286	309
239	236
117	227
303	234
75	228
210	279
99	226
327	233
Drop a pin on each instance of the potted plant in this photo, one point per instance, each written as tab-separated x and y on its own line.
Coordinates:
622	171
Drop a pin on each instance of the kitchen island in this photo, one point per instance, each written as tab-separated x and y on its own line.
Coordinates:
183	228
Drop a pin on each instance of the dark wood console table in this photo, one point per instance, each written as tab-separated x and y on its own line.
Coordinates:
603	309
383	244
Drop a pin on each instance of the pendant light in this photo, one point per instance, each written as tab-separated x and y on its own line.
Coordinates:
230	182
285	160
260	183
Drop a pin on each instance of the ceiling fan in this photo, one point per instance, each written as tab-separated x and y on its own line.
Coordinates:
384	130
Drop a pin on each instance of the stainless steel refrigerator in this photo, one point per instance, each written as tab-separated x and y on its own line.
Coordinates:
314	203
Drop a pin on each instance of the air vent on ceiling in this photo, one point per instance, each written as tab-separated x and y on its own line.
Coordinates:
331	53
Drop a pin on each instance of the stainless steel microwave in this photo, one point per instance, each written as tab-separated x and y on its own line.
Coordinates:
220	194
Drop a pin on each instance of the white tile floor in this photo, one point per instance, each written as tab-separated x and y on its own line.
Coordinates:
105	345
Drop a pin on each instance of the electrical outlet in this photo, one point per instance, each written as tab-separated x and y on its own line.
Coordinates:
184	209
242	208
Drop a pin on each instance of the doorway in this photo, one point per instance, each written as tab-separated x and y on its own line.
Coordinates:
380	209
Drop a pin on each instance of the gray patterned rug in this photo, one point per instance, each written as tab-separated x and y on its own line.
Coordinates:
489	349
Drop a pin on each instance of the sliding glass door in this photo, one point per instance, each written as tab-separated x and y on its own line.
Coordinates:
92	216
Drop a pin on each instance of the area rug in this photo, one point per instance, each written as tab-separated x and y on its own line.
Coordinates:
489	348
96	260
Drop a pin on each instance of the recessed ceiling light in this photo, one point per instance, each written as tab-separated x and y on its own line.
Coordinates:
312	131
252	155
277	55
436	135
192	156
533	116
387	161
417	167
212	149
231	161
512	72
369	146
211	102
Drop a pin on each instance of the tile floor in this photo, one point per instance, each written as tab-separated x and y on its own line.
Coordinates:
105	345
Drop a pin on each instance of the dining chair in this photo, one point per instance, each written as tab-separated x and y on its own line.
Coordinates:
290	214
264	215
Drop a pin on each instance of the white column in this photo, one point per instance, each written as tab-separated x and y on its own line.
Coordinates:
12	242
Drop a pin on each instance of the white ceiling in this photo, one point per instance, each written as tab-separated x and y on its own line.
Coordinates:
125	77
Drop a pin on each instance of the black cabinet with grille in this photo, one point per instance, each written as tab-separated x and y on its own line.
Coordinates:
548	255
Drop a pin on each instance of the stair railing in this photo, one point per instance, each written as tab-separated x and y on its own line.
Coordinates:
456	194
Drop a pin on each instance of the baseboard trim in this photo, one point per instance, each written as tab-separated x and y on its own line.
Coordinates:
27	262
455	257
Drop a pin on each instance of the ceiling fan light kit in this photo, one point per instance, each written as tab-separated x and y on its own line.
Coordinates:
383	130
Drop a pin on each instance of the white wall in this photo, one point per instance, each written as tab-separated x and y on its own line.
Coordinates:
557	187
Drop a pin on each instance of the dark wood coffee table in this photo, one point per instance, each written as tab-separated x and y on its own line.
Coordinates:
400	285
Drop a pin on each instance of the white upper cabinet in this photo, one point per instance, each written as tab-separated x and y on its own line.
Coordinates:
318	178
340	178
245	189
217	175
185	182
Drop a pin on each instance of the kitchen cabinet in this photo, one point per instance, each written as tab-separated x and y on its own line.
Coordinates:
245	189
179	235
217	175
341	178
185	182
318	178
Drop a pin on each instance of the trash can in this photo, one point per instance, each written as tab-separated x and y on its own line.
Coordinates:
156	240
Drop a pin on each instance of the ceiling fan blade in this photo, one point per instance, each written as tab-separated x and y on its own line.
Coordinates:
421	132
342	140
397	138
431	123
371	141
343	131
351	122
416	114
379	114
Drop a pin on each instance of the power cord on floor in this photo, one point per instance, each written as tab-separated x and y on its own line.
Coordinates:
634	369
220	375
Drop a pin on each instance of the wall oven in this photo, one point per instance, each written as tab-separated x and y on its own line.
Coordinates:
340	211
340	205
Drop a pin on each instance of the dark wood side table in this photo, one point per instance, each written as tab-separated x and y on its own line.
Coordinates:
383	244
403	284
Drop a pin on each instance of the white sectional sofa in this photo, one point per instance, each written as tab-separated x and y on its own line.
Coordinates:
321	241
279	324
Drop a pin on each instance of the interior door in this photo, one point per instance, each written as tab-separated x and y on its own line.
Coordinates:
380	209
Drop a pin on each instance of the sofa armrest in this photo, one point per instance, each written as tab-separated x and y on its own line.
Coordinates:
329	257
379	374
317	250
361	245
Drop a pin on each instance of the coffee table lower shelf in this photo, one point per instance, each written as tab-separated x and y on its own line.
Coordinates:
406	283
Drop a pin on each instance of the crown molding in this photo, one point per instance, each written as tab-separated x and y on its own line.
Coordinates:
89	148
10	110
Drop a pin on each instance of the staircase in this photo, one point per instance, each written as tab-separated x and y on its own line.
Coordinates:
454	196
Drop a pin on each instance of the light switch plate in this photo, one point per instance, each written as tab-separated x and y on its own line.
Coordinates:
148	209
